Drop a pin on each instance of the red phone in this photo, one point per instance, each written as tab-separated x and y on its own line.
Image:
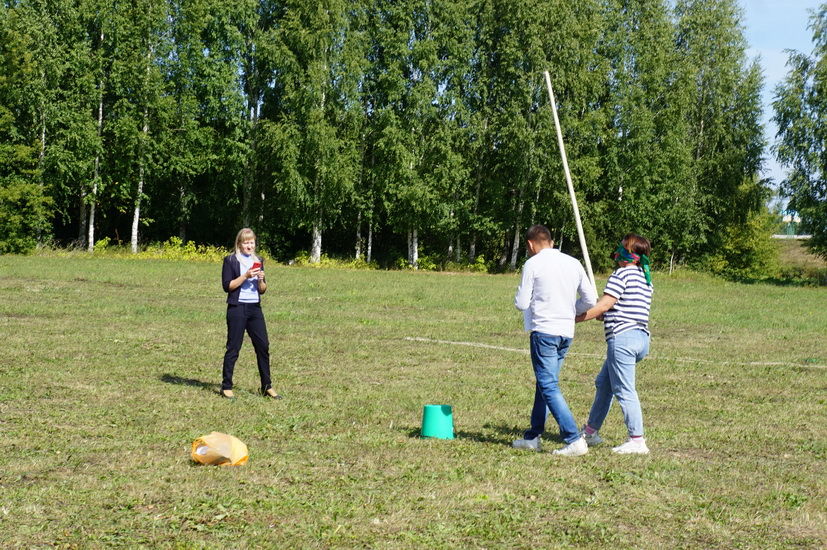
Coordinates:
256	265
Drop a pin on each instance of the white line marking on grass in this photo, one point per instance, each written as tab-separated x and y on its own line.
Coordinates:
580	354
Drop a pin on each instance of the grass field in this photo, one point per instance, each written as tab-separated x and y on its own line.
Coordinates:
797	262
110	369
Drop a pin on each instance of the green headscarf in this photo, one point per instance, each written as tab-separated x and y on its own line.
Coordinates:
622	254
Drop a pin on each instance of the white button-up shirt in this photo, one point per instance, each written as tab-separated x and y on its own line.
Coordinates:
548	291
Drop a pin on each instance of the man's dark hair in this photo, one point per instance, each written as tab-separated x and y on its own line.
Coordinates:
538	233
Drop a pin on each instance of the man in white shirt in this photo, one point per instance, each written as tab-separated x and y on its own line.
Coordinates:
547	296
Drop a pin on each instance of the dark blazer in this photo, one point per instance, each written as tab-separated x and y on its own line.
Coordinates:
229	271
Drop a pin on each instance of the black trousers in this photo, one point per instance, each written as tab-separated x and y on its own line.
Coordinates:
247	317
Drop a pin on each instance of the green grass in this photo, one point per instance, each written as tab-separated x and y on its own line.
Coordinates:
110	369
798	266
793	253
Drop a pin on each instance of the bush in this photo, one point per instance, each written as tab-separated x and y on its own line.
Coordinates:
427	263
433	262
102	245
173	249
747	252
176	249
803	276
478	266
303	259
24	215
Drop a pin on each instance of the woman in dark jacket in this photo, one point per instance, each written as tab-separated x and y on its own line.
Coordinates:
242	277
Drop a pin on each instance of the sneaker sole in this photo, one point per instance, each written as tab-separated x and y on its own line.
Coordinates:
559	453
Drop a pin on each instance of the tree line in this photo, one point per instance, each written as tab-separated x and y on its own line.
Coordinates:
378	128
800	109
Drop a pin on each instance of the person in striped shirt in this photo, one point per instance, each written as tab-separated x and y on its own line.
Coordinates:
624	309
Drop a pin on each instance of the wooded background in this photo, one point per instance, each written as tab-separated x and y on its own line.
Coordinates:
380	129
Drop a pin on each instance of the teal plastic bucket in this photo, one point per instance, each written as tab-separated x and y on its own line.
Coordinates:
438	422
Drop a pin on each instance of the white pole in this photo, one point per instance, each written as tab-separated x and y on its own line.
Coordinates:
568	182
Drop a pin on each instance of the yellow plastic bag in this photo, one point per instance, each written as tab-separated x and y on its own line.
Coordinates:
219	449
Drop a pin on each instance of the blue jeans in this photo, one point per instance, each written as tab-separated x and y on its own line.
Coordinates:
547	353
617	379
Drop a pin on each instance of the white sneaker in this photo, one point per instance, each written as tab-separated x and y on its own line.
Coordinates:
530	444
593	439
632	447
575	448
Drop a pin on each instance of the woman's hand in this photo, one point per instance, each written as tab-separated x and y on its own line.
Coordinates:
253	272
604	304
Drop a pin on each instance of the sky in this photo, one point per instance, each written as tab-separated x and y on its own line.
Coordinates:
772	26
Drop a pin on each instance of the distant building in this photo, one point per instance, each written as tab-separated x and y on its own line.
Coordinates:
790	222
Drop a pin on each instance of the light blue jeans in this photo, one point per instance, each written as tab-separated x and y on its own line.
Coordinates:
547	354
617	379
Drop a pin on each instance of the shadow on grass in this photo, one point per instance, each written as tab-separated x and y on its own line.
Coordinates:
181	381
495	435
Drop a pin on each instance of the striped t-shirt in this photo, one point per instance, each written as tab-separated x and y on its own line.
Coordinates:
634	298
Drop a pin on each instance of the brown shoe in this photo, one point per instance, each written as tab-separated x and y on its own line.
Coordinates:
228	394
271	393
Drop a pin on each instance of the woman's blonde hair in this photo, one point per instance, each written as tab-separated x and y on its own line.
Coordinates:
244	235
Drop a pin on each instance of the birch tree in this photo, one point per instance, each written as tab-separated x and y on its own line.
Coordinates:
316	153
800	107
724	118
25	208
140	39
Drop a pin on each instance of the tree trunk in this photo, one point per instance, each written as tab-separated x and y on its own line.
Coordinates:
515	246
472	248
255	156
182	218
136	215
247	191
90	240
82	220
370	242
458	252
450	241
96	174
316	248
41	158
414	249
42	154
358	235
504	255
671	261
